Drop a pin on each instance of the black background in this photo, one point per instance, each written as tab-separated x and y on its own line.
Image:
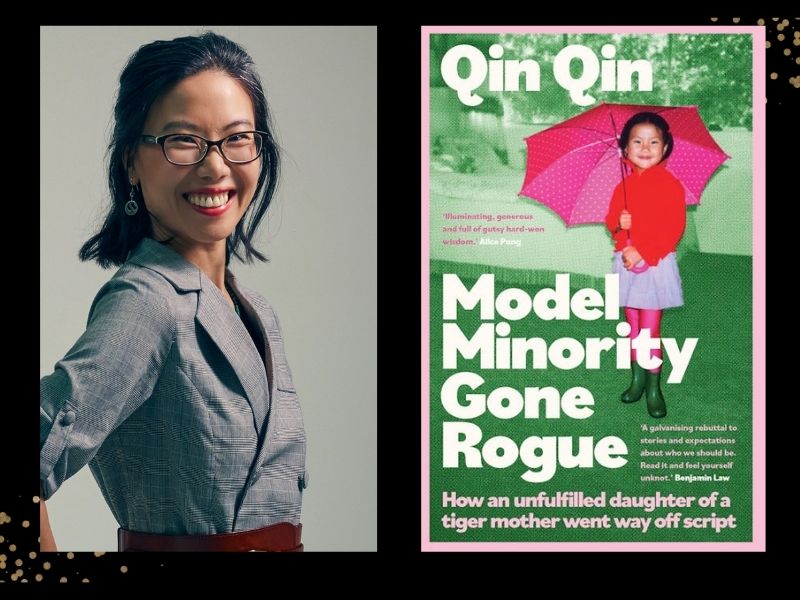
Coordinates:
398	372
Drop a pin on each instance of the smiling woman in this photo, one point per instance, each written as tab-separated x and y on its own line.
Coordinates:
220	456
178	395
172	94
195	194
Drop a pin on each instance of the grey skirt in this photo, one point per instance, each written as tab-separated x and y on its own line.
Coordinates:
657	287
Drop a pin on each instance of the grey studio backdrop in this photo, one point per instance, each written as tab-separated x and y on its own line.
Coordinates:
319	233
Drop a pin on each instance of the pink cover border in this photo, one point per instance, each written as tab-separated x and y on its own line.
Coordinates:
759	306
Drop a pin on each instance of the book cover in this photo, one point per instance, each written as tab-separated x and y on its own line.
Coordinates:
593	288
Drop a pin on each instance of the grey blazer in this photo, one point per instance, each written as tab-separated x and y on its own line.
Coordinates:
165	396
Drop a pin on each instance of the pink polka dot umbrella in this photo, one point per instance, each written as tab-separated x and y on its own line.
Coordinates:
574	166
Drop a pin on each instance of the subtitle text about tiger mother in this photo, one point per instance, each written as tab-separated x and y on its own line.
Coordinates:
558	510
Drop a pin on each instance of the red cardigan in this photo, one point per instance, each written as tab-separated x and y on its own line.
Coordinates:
658	213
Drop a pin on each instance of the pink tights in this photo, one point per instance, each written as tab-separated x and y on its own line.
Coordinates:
645	318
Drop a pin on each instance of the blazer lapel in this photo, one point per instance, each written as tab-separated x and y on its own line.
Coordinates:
228	332
217	318
256	313
276	366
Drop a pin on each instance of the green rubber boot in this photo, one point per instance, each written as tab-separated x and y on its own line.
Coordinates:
656	405
634	393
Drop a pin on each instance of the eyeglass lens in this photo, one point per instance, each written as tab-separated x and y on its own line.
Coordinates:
188	149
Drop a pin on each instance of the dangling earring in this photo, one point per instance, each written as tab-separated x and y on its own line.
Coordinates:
131	207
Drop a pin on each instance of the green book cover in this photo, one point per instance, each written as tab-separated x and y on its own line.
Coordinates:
593	319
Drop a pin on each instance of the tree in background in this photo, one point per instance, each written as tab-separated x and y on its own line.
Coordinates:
714	72
711	71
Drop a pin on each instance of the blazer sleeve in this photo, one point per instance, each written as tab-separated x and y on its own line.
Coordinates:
109	373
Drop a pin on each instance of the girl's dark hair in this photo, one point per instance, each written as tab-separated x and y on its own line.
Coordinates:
153	70
653	119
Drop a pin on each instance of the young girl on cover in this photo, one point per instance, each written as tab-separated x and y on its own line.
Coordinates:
646	218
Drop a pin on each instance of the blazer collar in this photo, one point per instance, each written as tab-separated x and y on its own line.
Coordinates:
228	332
218	319
162	259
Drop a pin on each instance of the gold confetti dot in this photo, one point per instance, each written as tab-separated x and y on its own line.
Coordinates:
19	573
2	558
714	19
787	52
26	523
780	26
124	569
14	577
99	553
735	19
796	41
774	18
70	555
46	566
785	22
2	565
797	60
769	43
63	580
38	577
760	21
85	580
781	37
797	34
773	75
36	499
31	554
18	562
797	82
13	547
2	539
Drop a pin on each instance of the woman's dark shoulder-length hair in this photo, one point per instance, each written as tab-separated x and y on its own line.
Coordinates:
653	119
153	70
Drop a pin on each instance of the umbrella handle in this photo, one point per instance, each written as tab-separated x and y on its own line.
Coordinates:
638	268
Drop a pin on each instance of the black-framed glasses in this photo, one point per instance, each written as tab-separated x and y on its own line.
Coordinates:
186	149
